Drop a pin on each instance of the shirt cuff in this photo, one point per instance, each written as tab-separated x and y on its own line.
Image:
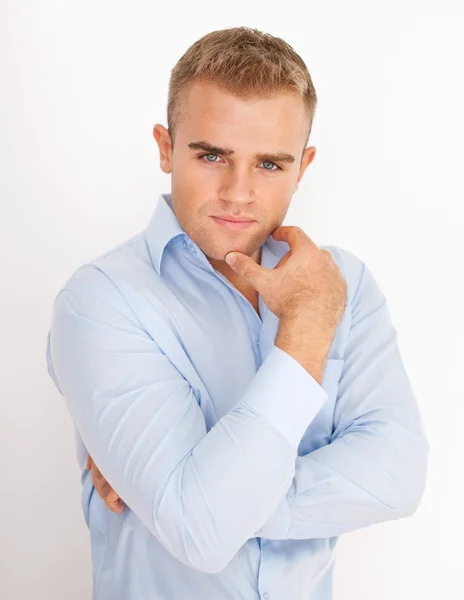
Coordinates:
286	395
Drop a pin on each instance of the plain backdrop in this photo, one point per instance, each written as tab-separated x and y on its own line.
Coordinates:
82	84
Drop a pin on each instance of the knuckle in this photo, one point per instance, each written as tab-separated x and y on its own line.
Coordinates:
112	505
327	255
105	490
246	270
112	496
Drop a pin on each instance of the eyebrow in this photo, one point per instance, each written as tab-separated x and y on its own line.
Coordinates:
260	156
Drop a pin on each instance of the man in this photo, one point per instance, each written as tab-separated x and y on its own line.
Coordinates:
235	419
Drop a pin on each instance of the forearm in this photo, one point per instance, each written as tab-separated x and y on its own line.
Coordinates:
374	467
358	480
201	493
237	474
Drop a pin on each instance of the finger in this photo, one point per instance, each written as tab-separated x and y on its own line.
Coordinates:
249	269
283	260
106	491
88	466
97	478
294	236
96	474
116	506
327	253
111	495
102	486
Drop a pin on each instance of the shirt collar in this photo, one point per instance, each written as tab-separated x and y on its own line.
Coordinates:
164	228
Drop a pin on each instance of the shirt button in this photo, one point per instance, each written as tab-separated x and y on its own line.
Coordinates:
265	595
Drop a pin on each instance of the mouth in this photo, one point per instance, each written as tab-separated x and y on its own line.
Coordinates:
233	225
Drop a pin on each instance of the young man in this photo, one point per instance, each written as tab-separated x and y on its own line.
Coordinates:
242	417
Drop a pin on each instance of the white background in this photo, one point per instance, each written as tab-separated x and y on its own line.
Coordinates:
82	84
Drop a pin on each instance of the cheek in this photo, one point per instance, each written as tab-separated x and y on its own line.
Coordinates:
198	182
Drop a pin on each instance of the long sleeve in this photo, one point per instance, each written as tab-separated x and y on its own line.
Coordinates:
374	469
201	493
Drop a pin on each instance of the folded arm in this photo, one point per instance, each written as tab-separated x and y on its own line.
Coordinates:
374	469
201	494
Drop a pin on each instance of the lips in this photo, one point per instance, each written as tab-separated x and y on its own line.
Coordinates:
232	225
234	219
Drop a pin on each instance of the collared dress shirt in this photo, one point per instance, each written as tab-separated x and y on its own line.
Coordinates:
238	471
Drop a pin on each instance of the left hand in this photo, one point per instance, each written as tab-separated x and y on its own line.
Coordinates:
105	491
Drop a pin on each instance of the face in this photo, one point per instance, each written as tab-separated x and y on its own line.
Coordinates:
233	157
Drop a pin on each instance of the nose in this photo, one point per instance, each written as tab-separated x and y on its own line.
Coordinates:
237	186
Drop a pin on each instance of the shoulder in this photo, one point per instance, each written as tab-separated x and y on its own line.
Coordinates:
364	292
122	262
104	278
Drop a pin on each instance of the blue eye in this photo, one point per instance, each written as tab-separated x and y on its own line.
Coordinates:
270	163
209	154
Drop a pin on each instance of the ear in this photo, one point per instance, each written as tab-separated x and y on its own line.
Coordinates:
164	142
308	156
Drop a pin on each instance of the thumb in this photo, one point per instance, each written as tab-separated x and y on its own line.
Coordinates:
246	267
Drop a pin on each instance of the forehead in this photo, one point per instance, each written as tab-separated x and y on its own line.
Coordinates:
209	112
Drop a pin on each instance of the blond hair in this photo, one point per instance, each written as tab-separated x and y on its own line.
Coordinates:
244	62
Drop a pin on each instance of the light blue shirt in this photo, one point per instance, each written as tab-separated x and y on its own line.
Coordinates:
237	469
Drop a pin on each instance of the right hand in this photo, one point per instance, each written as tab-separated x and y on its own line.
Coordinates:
306	281
105	491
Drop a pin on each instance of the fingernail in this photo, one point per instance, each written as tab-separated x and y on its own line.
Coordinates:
231	259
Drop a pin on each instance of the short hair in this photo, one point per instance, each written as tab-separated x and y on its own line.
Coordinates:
244	62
